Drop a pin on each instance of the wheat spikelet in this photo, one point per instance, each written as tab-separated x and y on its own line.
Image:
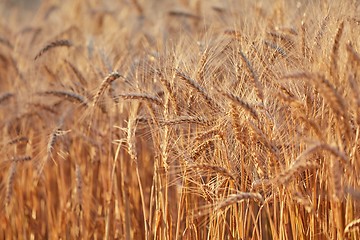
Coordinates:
335	50
171	94
5	96
144	120
355	193
285	176
218	9
321	31
211	102
356	93
313	125
50	146
142	96
209	134
355	224
336	152
131	140
213	168
333	96
106	82
201	148
278	50
79	185
285	39
73	97
6	43
18	159
323	146
299	165
17	140
244	105
186	120
353	55
253	75
235	198
260	183
240	131
176	13
233	33
303	38
44	107
336	179
326	88
52	140
78	74
54	44
10	183
202	65
262	137
303	201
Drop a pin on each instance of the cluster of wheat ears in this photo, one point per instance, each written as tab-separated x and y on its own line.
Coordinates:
181	120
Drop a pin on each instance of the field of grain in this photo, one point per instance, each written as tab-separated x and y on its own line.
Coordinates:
180	119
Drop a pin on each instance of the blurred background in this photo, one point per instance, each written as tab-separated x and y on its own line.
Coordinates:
19	10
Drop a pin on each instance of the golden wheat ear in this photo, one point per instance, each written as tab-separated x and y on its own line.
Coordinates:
235	198
6	96
54	44
105	83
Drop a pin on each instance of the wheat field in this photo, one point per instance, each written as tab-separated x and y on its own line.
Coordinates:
180	119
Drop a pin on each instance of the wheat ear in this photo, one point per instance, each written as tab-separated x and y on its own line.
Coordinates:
355	224
18	140
254	76
211	102
214	168
142	96
105	83
244	105
188	120
71	96
10	183
6	43
5	96
79	185
353	55
183	14
335	50
235	198
54	44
